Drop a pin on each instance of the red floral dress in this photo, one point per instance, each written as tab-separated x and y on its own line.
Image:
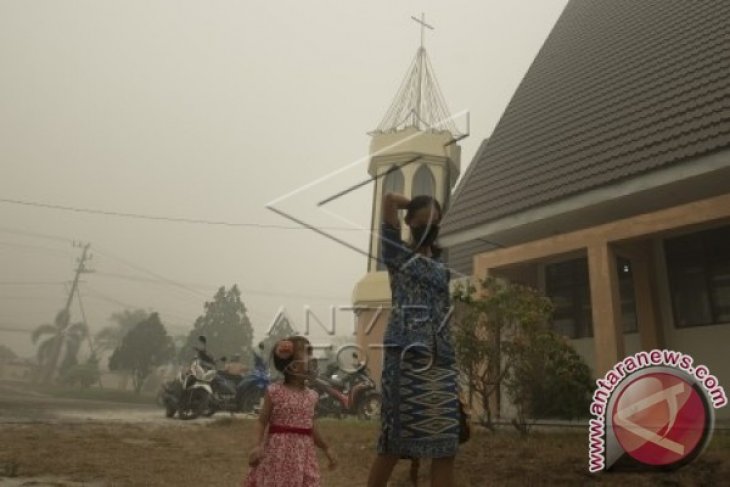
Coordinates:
289	459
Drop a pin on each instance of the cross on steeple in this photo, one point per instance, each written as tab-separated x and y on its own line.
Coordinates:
423	23
419	102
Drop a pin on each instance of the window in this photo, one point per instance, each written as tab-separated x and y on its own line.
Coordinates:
699	277
568	286
566	283
423	182
393	182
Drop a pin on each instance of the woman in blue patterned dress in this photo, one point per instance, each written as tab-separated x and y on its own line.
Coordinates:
420	410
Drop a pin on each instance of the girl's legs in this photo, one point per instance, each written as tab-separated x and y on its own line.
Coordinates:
381	470
442	472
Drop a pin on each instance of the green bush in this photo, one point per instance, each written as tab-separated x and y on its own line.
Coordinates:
503	340
547	378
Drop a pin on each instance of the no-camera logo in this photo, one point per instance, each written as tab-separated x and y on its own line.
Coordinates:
654	410
661	419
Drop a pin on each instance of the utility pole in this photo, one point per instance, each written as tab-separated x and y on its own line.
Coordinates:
64	316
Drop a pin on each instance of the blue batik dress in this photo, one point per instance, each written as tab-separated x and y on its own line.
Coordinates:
420	410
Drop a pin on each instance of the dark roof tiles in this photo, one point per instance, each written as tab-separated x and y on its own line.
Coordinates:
618	89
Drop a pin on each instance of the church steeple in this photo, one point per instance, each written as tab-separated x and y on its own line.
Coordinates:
419	102
414	151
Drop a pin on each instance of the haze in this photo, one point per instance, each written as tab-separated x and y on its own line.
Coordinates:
209	111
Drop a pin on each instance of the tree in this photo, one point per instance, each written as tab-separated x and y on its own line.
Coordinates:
110	337
145	347
62	342
6	354
82	375
502	337
226	326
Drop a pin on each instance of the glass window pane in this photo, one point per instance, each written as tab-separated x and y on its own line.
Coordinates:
393	181
720	291
567	287
423	182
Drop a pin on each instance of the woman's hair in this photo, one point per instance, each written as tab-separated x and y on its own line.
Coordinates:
418	203
282	363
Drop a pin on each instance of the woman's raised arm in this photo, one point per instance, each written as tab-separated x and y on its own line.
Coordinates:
392	202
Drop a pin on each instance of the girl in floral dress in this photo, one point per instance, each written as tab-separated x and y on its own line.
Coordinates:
286	436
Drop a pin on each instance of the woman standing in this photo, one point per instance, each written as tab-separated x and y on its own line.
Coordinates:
420	411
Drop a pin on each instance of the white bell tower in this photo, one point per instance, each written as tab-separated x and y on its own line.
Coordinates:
413	151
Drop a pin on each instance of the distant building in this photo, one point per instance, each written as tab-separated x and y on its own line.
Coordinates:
18	369
606	183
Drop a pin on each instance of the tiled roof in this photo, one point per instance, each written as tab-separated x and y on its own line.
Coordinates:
619	88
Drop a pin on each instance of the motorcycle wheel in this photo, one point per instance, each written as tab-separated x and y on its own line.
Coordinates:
195	405
170	411
369	407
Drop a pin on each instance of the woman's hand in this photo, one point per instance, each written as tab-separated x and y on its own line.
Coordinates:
392	202
401	202
254	458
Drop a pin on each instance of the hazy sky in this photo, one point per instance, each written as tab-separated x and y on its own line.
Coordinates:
209	111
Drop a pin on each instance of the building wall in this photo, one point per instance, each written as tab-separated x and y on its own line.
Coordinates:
371	325
708	345
640	239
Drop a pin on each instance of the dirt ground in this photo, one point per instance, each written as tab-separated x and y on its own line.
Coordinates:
213	453
51	441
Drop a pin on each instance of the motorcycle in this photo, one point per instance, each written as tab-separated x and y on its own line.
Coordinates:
239	393
189	393
355	394
170	394
196	388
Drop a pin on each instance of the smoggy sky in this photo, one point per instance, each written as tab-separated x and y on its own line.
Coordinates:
209	111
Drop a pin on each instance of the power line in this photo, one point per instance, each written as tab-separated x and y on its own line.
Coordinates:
33	283
141	216
15	231
37	248
153	274
244	290
103	297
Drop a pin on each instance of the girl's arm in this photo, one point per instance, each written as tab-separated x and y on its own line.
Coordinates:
320	443
392	202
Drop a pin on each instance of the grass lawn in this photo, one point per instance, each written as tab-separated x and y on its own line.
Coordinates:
190	454
97	394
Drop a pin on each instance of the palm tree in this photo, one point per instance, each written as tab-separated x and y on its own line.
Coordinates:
62	340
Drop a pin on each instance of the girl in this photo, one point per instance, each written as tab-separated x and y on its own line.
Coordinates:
420	409
284	455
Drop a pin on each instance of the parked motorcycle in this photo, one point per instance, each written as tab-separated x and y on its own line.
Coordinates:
239	393
189	393
354	393
196	387
170	394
